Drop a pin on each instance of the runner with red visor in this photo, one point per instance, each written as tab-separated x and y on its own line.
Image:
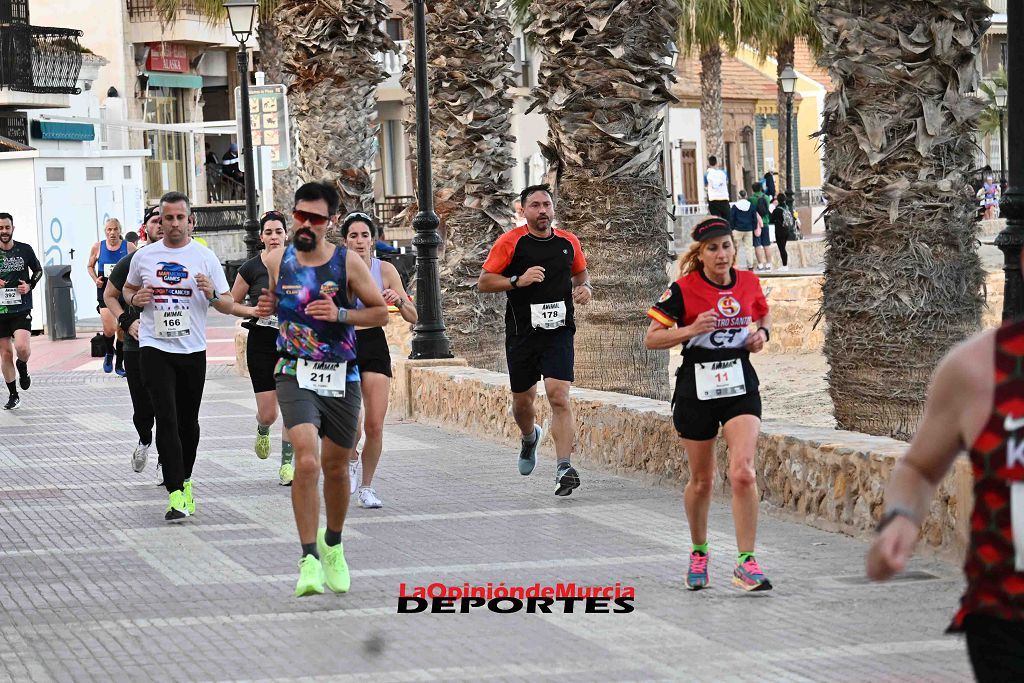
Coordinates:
711	310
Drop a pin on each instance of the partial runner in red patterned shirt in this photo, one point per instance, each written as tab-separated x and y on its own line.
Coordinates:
711	310
976	403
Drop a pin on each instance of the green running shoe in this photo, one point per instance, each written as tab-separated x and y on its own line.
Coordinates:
286	474
335	568
262	446
311	577
176	508
190	502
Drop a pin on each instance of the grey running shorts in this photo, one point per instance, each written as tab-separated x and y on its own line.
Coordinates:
334	418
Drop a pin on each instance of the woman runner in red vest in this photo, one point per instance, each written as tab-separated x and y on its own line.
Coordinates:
710	310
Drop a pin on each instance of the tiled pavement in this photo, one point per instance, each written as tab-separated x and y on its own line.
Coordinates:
95	586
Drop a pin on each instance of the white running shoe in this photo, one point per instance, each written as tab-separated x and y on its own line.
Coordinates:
368	498
355	474
140	456
783	269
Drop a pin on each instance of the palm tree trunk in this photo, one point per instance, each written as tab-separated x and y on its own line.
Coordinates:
331	52
711	120
902	275
471	145
603	86
272	55
785	54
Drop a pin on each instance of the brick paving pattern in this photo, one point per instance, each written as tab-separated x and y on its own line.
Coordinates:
95	586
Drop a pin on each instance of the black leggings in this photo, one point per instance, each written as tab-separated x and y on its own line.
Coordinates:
142	406
780	239
175	383
994	648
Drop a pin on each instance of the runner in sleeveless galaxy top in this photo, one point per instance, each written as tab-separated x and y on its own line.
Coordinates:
261	341
373	355
313	285
710	310
976	403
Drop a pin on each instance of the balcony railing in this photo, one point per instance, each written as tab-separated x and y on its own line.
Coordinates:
40	59
13	11
394	61
154	10
219	217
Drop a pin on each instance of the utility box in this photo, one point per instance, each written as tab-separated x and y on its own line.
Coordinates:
60	302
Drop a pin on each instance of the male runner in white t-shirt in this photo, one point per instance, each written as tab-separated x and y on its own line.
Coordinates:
174	282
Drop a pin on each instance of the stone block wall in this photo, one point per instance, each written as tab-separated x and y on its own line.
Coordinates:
829	479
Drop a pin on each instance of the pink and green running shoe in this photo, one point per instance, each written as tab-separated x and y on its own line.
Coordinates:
749	577
697	577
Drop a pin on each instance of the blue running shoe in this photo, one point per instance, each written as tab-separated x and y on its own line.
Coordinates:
528	452
697	577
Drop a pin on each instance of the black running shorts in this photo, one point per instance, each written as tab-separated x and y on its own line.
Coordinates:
540	354
993	646
10	322
372	352
699	420
261	357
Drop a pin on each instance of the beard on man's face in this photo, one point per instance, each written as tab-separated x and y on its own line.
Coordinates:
304	239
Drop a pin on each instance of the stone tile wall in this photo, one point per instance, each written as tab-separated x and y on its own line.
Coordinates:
828	479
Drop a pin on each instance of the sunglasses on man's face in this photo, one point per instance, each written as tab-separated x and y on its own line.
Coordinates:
314	219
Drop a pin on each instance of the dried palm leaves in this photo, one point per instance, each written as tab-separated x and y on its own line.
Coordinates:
331	49
902	276
603	85
470	77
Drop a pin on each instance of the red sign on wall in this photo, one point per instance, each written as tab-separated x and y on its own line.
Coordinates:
167	57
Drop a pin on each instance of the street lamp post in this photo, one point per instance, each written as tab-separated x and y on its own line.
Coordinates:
242	18
1011	238
787	79
671	59
1000	98
429	339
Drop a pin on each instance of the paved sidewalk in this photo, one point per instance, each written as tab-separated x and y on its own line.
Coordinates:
95	586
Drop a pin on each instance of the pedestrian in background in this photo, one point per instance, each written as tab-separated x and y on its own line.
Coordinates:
745	221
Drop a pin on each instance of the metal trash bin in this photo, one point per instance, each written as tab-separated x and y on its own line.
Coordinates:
60	303
231	267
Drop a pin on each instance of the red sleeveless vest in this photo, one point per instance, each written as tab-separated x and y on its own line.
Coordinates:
994	587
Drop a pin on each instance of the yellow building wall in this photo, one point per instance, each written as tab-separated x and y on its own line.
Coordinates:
806	113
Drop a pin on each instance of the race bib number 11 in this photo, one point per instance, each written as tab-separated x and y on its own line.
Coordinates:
720	379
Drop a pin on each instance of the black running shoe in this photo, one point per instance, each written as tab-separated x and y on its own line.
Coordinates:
23	379
567	479
12	403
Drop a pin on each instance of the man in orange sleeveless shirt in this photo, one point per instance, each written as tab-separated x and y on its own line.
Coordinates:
975	402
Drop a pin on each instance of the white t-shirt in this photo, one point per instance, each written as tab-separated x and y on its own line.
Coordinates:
175	321
718	184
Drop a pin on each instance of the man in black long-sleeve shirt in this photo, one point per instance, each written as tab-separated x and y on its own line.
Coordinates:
19	273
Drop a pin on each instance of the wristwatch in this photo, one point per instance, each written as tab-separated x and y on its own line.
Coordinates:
892	514
513	281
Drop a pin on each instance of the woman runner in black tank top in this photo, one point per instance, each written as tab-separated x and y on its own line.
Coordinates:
261	342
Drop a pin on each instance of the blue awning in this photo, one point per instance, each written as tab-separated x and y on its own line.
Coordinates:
57	130
159	79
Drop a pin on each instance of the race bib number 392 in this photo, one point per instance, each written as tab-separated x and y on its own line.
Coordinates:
172	324
9	296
